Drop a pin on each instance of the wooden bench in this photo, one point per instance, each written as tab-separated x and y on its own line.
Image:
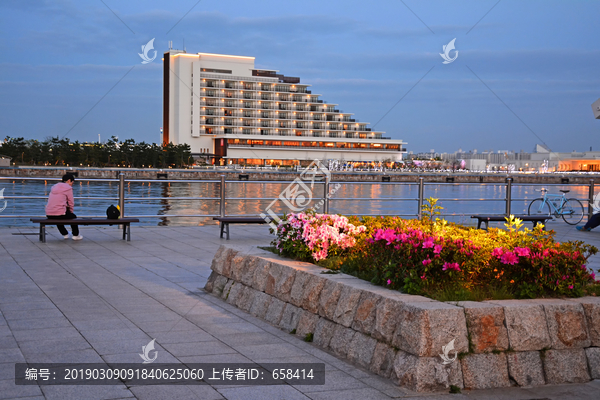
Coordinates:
225	221
85	221
486	218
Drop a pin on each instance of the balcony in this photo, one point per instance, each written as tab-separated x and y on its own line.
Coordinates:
321	148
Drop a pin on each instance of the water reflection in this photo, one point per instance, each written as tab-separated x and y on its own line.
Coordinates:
181	199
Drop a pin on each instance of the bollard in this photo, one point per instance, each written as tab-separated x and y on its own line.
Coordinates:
508	195
591	199
420	214
326	196
222	203
122	194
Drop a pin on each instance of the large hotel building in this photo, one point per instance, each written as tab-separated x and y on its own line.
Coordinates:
225	108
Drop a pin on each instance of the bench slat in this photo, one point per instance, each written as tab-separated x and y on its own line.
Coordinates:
126	222
84	221
225	221
486	218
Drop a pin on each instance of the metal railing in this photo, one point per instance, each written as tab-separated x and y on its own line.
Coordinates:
326	198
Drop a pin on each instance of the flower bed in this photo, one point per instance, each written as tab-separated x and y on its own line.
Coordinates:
438	259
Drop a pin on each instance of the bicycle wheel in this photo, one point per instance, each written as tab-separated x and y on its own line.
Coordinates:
572	211
539	207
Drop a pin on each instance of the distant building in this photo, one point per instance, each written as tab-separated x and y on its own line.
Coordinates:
4	161
233	113
596	109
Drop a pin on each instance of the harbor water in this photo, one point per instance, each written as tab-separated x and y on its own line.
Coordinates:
180	203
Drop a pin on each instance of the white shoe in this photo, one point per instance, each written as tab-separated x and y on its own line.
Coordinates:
78	237
66	236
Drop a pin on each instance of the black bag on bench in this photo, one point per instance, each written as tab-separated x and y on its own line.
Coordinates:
113	212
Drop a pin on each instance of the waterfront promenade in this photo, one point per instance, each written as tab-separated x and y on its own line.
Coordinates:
102	299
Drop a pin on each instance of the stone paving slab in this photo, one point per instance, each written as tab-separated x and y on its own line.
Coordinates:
114	296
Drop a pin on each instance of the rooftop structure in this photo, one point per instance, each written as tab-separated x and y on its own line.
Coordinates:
233	113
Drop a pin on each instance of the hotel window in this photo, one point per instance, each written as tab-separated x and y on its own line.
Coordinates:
253	142
329	144
291	143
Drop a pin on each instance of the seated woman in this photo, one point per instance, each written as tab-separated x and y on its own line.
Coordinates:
593	222
61	205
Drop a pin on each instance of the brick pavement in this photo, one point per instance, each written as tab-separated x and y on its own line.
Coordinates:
102	299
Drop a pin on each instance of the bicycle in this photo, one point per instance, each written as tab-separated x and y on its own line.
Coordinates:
571	210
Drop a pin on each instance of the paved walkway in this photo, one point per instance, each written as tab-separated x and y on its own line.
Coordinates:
102	299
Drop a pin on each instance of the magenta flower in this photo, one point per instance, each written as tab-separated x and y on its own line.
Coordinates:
426	262
437	249
389	282
497	252
509	258
428	243
453	266
570	286
523	251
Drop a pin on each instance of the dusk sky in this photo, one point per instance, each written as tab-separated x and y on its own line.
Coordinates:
527	72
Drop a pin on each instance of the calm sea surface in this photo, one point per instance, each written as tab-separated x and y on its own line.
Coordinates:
173	203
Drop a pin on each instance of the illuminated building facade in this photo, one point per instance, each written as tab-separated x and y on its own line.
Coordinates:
225	108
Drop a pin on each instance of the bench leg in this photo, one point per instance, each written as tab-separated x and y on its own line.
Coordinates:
129	232
124	231
222	227
42	233
479	224
227	230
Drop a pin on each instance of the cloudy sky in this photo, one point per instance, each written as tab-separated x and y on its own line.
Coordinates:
526	72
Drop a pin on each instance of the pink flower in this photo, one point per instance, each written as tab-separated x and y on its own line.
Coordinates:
389	281
437	249
523	251
497	252
426	262
453	266
428	243
423	277
509	258
545	253
570	286
593	275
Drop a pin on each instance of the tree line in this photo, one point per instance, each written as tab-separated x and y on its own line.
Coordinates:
112	153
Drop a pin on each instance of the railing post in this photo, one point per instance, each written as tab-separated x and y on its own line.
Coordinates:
326	196
222	203
591	199
421	190
122	194
508	195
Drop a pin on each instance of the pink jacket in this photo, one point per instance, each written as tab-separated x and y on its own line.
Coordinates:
61	196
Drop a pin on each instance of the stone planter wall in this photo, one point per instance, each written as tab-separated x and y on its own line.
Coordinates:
398	336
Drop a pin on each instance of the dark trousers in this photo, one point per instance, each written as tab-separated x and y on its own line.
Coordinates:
61	228
593	222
